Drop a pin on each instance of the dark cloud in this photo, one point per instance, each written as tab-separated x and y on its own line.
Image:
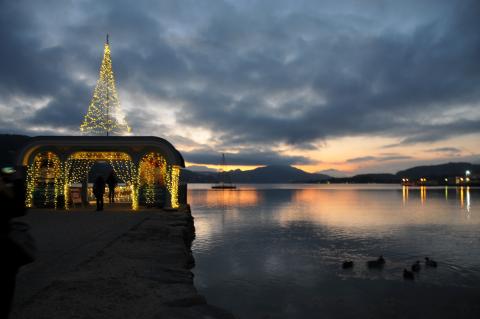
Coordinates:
395	158
454	151
260	74
245	157
446	150
438	132
361	159
390	82
391	157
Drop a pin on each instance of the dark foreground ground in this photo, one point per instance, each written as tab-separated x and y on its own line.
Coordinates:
114	264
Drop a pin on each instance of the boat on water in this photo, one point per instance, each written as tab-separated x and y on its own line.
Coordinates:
223	186
224	178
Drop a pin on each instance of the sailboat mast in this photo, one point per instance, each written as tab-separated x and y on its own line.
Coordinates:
222	169
224	178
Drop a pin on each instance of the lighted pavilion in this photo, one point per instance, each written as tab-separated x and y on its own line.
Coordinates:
148	166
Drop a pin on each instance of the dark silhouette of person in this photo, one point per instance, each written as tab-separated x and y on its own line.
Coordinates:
84	193
98	191
112	183
18	246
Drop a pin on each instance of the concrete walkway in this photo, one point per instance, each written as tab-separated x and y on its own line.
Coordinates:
67	238
114	264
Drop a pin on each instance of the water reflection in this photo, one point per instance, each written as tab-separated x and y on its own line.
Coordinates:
405	194
423	194
461	197
335	206
468	198
468	202
226	198
465	198
257	246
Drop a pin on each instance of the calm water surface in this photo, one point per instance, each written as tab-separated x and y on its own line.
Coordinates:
275	251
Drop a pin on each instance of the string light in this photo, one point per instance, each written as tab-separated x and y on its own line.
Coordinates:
173	187
45	166
100	156
104	115
75	170
128	172
152	171
152	174
173	175
33	172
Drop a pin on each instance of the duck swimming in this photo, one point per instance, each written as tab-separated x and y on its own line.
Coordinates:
347	264
416	266
408	275
376	263
430	262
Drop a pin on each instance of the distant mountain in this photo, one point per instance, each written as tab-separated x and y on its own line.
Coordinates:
275	174
431	172
201	169
10	145
187	176
439	171
266	174
334	173
368	179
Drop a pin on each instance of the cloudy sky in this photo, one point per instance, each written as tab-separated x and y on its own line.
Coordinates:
358	86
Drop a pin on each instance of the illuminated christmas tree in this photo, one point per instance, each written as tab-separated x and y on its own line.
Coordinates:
104	116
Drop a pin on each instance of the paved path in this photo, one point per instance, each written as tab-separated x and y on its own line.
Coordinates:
119	265
67	238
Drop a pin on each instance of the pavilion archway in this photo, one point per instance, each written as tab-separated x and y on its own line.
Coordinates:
158	181
150	167
44	180
79	164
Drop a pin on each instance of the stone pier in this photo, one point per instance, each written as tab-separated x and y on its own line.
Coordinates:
142	273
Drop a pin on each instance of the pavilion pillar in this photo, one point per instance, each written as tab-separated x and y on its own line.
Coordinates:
63	182
135	180
172	186
31	181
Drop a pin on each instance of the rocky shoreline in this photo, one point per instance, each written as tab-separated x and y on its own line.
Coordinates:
145	273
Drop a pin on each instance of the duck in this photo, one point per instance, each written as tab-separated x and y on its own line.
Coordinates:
416	266
347	264
408	275
378	263
430	262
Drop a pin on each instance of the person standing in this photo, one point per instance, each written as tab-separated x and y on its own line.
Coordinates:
17	244
112	183
84	193
98	191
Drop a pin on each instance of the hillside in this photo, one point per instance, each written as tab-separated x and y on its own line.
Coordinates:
266	174
368	178
275	174
439	171
187	176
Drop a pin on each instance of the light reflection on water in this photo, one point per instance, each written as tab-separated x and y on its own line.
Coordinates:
264	242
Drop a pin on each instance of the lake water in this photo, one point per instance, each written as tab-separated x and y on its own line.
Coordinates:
275	251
